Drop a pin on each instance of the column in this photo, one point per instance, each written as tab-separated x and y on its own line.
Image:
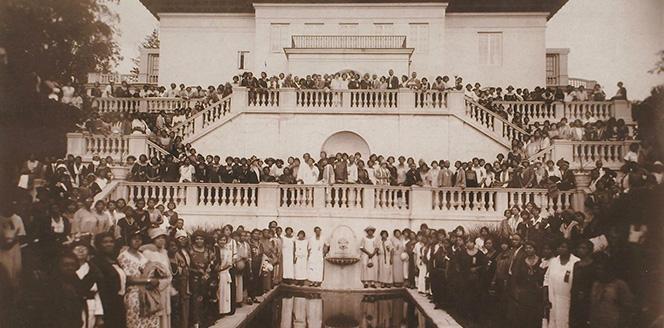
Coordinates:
138	144
421	202
287	98
456	103
406	99
623	110
75	144
268	198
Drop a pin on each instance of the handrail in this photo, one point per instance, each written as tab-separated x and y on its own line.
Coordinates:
498	117
192	119
156	149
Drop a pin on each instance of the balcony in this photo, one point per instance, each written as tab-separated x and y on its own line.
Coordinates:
348	41
401	205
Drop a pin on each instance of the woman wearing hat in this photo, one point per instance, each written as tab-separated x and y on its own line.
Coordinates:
369	249
225	260
133	262
159	266
201	260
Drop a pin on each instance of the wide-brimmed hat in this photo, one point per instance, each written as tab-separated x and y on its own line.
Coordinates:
180	233
369	228
156	232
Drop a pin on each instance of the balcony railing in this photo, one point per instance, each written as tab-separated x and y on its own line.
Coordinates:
584	154
540	111
343	200
348	41
133	105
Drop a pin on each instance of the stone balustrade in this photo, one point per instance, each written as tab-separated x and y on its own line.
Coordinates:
343	200
499	127
141	105
117	147
540	111
312	99
584	154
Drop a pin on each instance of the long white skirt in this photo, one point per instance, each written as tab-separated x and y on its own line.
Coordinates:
287	264
421	278
224	293
301	269
316	264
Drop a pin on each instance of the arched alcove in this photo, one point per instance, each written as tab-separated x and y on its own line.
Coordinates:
346	142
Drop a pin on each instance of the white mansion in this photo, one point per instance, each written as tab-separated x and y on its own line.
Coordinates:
494	42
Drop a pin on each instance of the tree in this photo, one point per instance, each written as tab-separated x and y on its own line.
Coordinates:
59	39
659	66
151	42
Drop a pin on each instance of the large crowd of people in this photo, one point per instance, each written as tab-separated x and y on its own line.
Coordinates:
108	264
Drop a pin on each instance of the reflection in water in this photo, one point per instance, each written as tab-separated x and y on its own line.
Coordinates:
339	310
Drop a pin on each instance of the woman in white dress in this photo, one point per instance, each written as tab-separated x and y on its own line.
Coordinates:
225	258
385	250
369	249
397	262
420	262
316	255
287	251
558	286
300	255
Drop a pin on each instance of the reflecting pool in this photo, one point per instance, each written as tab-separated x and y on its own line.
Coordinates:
336	310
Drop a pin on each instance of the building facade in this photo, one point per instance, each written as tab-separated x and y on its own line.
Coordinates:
492	42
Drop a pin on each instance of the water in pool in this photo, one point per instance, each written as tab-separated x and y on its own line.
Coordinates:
289	309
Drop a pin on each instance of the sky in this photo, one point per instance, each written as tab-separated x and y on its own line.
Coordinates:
609	40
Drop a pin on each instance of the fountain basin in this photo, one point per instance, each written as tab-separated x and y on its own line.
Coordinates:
342	260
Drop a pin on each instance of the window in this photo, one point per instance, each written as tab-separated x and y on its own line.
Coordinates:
552	69
419	37
348	28
242	59
279	37
313	28
491	48
384	28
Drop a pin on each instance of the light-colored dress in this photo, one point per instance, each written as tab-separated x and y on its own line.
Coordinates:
369	274
418	252
242	254
558	278
161	256
397	262
301	255
287	247
133	265
316	259
224	290
11	228
385	273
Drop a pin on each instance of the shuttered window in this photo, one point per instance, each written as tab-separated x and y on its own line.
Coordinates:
491	48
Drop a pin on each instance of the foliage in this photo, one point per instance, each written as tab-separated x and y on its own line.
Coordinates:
59	39
649	114
151	42
659	66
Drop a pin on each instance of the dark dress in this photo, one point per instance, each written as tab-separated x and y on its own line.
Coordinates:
200	276
108	284
526	290
439	265
471	269
579	313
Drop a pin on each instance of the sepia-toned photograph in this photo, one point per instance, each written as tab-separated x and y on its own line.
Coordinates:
331	163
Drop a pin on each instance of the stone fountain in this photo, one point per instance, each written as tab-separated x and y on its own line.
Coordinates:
342	267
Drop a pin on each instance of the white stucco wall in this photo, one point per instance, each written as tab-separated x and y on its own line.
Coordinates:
300	18
432	137
523	44
202	49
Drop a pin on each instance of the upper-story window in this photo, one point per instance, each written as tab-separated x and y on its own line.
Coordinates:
348	28
279	37
419	37
384	28
491	48
313	28
243	59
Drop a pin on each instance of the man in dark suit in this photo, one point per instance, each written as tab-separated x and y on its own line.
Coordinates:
392	81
